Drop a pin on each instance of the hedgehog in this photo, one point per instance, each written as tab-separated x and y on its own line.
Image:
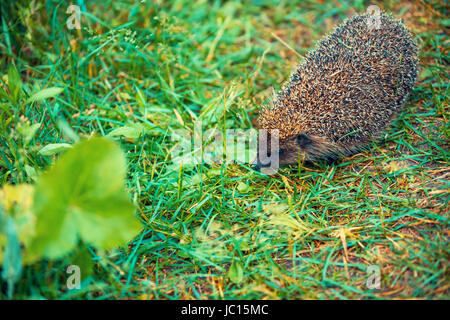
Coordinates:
345	93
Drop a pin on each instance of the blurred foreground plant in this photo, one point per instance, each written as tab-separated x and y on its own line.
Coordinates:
80	198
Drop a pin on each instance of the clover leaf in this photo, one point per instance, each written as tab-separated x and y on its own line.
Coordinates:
83	197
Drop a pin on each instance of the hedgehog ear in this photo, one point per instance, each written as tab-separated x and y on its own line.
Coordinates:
303	140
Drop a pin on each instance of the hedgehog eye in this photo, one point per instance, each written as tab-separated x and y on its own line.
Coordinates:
303	140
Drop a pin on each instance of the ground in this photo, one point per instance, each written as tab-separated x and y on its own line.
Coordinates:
228	232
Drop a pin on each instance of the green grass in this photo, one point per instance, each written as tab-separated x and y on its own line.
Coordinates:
307	232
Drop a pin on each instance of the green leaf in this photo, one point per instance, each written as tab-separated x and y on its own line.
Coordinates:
12	256
83	259
140	98
27	131
54	148
44	94
31	172
83	197
14	82
16	201
215	172
67	129
243	187
12	259
236	272
132	131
